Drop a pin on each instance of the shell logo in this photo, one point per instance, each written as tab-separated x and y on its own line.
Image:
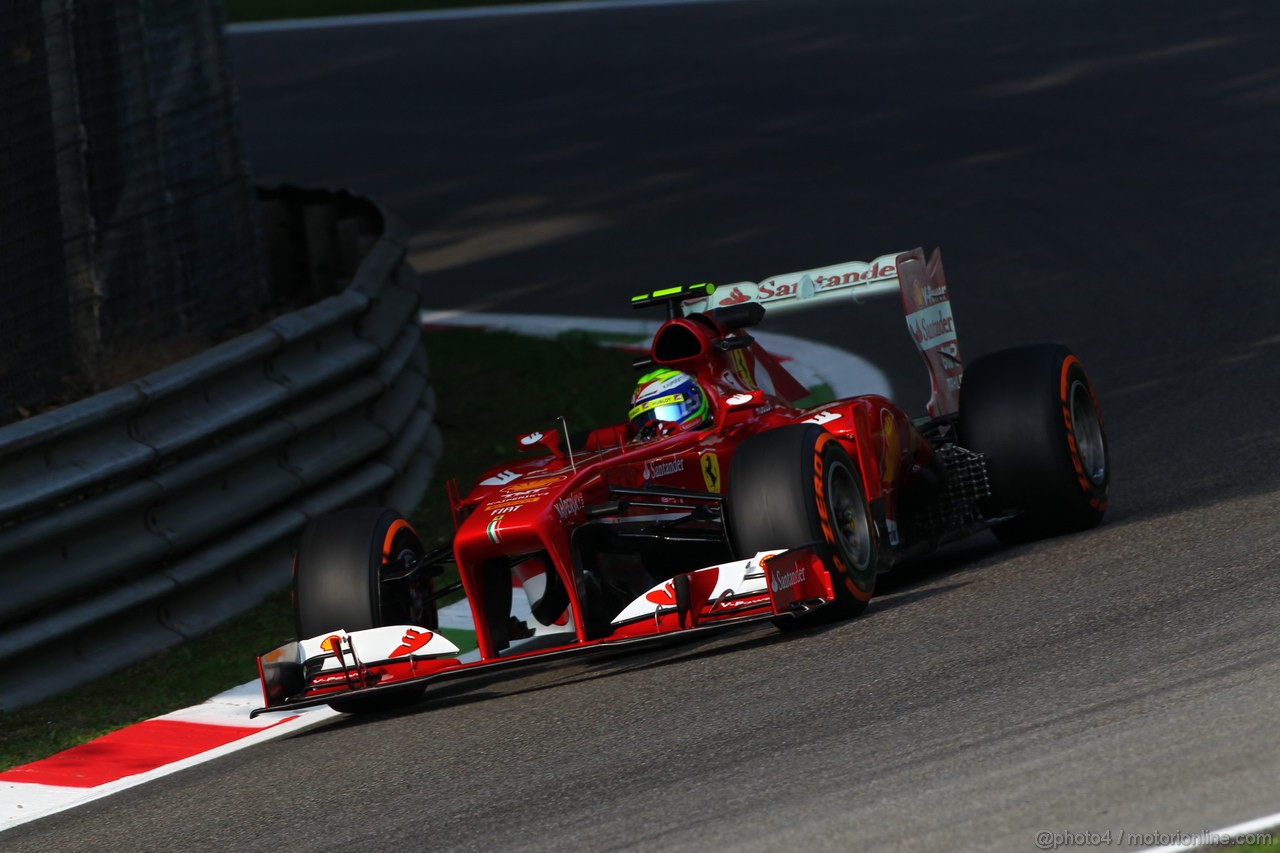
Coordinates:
333	645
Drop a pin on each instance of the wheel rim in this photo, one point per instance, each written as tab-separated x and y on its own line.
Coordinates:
400	600
849	516
1087	430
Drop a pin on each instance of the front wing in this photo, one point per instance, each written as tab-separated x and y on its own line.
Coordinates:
343	664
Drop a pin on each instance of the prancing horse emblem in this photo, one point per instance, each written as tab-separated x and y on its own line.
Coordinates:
711	472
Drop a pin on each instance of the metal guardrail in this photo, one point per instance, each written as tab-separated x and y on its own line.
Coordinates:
144	516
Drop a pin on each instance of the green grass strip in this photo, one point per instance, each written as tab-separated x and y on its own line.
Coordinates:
462	638
184	675
818	394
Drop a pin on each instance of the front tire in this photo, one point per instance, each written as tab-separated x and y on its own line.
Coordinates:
1033	412
795	485
338	583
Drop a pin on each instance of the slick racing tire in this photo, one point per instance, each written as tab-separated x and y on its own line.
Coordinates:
338	584
793	486
1033	412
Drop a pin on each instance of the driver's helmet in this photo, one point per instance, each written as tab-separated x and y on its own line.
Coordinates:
670	396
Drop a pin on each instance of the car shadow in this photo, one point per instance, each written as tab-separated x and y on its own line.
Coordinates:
902	591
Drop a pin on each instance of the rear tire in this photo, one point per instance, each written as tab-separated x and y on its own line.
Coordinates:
1033	412
795	485
337	584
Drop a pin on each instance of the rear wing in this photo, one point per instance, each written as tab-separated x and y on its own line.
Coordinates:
803	291
921	285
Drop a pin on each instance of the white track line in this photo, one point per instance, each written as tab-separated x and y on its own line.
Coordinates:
381	19
1217	838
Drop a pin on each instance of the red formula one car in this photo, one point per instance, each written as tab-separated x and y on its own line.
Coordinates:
720	501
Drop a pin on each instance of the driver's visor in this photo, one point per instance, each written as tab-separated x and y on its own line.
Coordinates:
666	408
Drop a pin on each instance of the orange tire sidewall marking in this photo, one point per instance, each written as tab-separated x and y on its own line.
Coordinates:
387	541
824	518
1076	461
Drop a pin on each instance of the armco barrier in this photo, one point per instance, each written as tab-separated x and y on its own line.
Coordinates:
143	516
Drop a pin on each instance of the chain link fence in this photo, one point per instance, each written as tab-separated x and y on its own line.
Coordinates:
127	219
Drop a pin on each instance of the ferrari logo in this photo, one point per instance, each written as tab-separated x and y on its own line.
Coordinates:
711	472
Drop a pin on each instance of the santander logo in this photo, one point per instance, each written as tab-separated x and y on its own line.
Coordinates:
932	326
655	470
786	580
873	273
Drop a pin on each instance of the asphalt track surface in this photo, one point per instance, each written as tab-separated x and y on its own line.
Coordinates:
1104	174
